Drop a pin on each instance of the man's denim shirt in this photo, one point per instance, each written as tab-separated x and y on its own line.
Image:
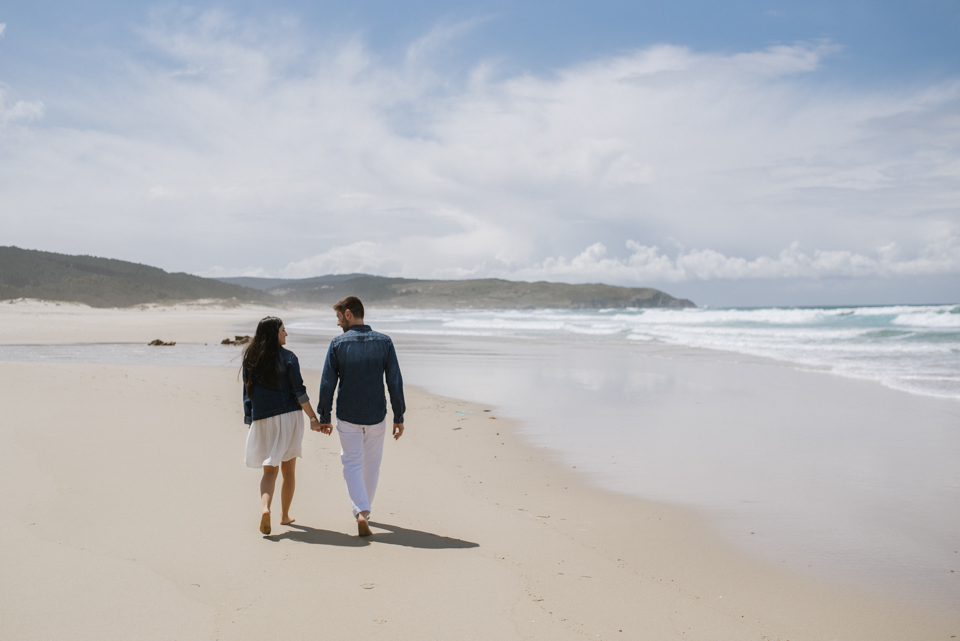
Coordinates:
359	358
286	397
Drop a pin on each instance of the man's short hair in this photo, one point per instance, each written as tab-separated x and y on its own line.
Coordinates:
351	303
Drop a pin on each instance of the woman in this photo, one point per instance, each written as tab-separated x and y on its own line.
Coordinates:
273	395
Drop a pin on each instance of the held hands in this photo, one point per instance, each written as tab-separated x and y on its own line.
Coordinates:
317	426
327	428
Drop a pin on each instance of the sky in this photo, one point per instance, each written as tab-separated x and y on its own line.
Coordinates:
741	153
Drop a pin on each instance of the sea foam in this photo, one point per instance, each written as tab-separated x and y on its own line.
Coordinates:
915	348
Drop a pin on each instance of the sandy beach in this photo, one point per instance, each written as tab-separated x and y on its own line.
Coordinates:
131	516
26	321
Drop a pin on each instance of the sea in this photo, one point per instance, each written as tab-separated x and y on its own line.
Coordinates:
911	348
826	439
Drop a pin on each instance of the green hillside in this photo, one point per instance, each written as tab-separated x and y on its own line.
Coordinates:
105	282
487	293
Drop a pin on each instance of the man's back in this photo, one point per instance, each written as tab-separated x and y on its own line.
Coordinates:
359	358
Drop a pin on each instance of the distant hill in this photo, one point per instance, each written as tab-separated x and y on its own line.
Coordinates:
105	282
489	293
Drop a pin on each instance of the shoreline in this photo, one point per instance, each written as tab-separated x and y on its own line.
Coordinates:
468	512
32	321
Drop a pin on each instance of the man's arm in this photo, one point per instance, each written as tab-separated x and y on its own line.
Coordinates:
395	387
328	385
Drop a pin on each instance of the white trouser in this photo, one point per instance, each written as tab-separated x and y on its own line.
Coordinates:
361	449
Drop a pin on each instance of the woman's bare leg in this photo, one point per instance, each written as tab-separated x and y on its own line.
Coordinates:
267	486
289	469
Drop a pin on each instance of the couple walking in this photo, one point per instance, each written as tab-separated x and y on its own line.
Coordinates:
274	394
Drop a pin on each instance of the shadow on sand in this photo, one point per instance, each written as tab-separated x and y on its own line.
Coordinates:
395	535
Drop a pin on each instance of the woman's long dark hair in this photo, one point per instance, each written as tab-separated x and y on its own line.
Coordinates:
261	355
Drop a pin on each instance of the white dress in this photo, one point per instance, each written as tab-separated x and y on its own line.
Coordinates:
273	440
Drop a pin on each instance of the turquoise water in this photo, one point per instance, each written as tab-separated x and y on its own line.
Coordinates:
907	347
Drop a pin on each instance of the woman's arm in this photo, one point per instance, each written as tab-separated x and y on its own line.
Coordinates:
314	421
247	403
300	391
296	381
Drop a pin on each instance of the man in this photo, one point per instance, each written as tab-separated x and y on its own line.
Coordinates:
360	358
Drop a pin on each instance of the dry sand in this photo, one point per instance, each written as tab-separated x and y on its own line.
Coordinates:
130	515
27	321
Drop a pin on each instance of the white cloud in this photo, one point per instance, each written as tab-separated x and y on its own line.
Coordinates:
360	257
465	253
434	42
250	145
3	27
20	110
644	263
649	264
219	271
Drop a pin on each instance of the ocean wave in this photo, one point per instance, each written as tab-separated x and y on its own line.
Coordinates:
442	332
944	315
908	347
939	319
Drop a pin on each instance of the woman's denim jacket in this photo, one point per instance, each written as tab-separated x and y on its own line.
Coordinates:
272	401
